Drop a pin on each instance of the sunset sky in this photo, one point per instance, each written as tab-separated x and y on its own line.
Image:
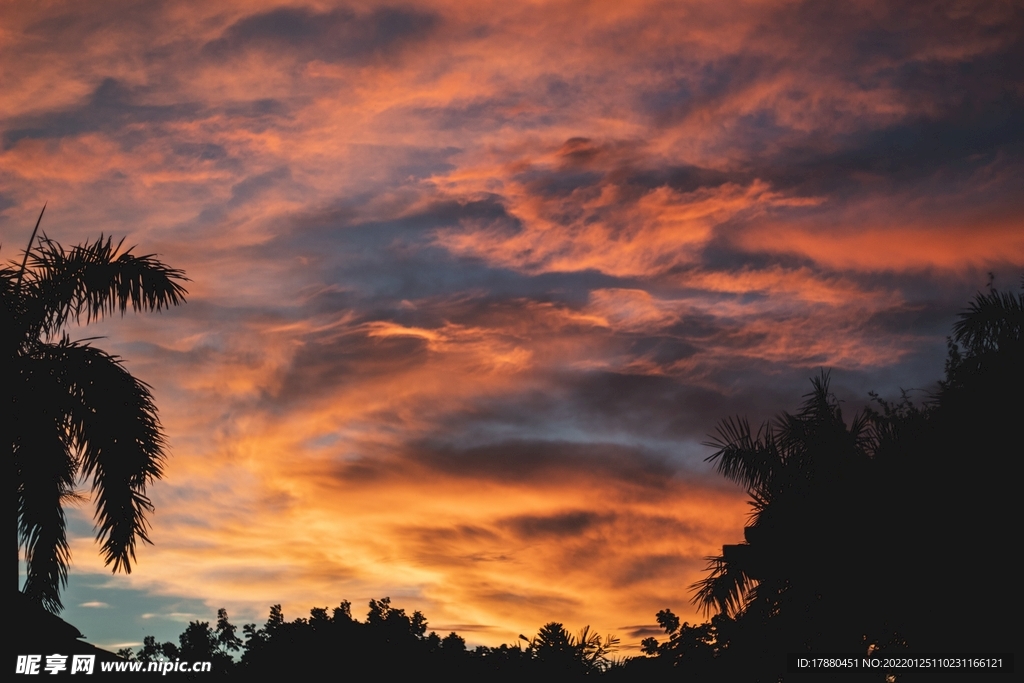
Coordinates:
471	282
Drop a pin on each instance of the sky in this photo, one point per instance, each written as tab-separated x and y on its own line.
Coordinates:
472	283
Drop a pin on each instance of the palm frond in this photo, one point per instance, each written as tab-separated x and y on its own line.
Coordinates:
820	404
862	432
991	321
760	501
45	469
10	310
114	426
747	459
28	250
817	429
725	589
93	280
595	650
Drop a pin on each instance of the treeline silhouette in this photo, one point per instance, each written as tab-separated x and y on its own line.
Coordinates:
390	642
889	533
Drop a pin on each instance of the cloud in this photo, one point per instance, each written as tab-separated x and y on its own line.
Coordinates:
598	221
332	36
563	524
110	109
471	283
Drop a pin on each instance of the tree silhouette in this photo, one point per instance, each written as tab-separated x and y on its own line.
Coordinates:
152	651
800	472
74	410
555	647
859	531
992	323
558	650
691	652
394	643
199	642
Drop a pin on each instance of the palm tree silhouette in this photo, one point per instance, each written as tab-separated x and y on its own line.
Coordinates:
797	471
586	652
990	330
848	542
73	410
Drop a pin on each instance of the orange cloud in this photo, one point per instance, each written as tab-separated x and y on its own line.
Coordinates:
603	230
504	557
899	247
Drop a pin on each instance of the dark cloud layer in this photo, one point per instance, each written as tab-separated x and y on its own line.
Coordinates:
112	108
540	462
337	35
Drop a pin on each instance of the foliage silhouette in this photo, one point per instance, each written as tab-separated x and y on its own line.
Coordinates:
393	642
798	472
859	532
199	642
558	650
73	409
